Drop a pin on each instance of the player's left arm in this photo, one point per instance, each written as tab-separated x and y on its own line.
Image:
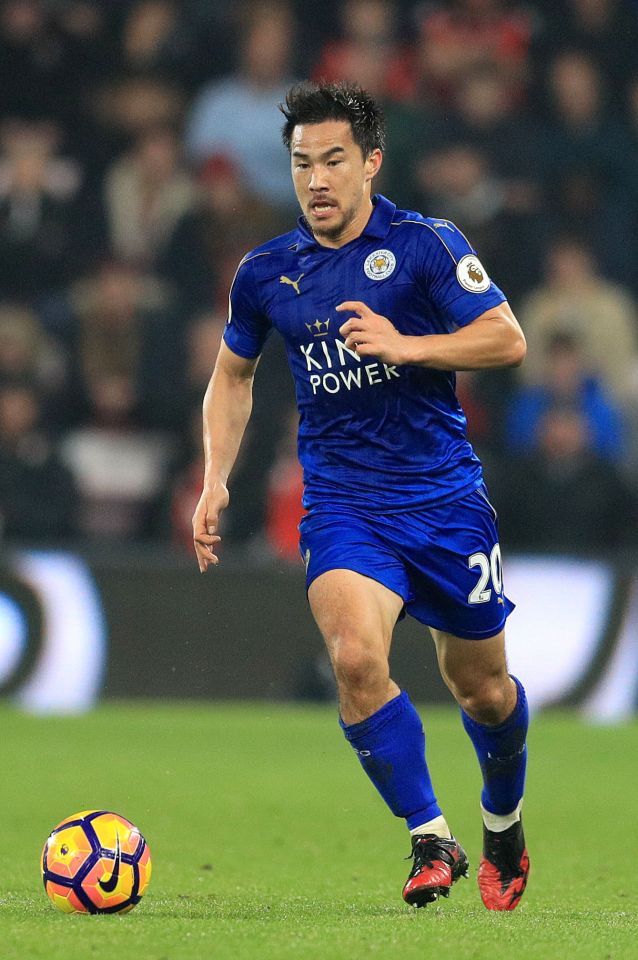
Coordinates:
493	339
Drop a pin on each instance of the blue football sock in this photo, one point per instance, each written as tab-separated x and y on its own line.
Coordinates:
391	747
502	754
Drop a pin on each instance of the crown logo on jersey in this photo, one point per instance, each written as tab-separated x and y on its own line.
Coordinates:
319	328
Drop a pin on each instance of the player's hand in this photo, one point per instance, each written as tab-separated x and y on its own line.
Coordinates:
372	335
205	523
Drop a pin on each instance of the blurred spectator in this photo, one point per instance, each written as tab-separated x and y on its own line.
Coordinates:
126	331
575	299
457	182
458	37
202	255
159	38
202	338
37	493
119	468
34	79
51	57
586	162
125	107
29	355
484	114
82	20
567	381
39	211
457	179
147	191
285	490
84	25
239	116
606	30
370	52
564	497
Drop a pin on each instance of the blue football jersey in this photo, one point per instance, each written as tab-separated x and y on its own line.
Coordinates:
377	436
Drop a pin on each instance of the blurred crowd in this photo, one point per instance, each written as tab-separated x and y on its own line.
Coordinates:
140	158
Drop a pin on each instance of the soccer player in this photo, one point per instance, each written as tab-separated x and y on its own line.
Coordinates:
378	307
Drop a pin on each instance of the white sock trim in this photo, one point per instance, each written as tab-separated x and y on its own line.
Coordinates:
497	822
438	826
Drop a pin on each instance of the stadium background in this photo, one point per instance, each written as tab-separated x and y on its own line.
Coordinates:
139	159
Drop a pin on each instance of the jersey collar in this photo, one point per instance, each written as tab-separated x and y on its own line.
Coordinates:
377	227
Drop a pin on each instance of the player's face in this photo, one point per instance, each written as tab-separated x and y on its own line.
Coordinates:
332	180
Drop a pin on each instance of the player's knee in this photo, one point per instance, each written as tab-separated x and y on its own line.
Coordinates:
486	706
485	700
357	665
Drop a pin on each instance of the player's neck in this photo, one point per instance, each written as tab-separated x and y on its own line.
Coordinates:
351	230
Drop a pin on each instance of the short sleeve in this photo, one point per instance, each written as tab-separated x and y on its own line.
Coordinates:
454	278
247	327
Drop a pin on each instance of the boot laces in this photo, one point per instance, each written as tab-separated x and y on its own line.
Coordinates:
427	850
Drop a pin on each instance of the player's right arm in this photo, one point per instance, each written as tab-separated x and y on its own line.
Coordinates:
228	403
227	407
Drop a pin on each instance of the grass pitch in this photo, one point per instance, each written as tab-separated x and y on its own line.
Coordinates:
268	842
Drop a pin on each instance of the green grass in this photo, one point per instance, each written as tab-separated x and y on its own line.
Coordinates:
268	842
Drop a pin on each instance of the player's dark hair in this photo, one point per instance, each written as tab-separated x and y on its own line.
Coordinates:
316	102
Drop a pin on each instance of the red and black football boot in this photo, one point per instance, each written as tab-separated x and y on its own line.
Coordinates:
438	863
504	868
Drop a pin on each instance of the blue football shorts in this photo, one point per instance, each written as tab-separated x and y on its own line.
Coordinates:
444	561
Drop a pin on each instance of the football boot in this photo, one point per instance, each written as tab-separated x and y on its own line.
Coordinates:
438	863
504	867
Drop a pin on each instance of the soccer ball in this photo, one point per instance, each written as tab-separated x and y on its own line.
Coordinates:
96	862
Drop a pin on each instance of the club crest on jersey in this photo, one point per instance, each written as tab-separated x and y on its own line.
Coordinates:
380	264
472	275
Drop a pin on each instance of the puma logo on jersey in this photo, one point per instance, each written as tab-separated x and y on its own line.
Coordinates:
292	283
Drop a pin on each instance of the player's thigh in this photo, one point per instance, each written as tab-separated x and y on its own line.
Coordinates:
470	666
356	583
355	610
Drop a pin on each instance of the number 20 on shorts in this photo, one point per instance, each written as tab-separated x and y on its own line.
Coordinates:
491	568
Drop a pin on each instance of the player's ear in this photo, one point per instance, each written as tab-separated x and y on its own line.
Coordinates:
373	163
